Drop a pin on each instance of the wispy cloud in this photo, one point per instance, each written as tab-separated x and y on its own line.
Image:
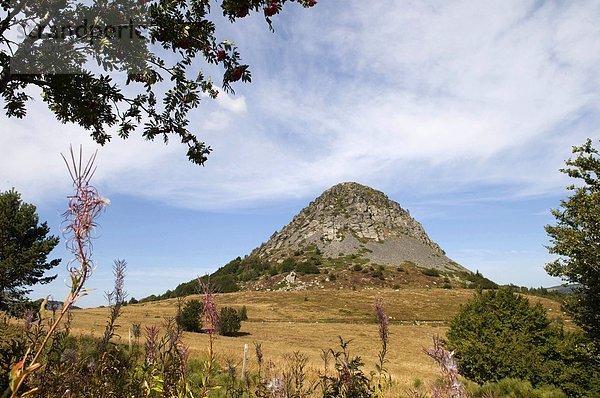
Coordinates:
432	97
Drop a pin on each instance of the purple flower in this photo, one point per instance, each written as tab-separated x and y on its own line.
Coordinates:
383	321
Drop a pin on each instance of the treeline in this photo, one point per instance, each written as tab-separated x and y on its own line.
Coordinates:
227	278
557	295
479	281
471	280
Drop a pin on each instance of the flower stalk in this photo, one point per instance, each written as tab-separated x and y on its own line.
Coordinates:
212	319
452	387
383	376
85	205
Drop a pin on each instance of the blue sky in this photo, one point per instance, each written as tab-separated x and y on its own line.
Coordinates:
462	112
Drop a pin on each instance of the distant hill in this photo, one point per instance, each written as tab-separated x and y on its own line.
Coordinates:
350	236
53	305
564	289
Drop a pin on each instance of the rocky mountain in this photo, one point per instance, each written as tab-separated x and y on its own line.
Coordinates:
351	236
353	219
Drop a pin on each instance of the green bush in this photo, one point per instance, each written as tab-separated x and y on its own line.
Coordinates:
576	369
498	334
307	267
243	313
288	265
378	274
431	272
96	367
249	275
230	321
190	317
348	379
514	388
148	299
478	281
357	268
13	346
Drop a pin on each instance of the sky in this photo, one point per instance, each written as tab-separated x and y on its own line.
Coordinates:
463	112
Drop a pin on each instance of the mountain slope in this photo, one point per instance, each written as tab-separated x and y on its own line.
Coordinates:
350	236
350	218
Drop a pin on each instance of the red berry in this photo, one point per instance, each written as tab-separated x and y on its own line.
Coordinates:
183	43
221	55
272	9
312	3
237	73
207	51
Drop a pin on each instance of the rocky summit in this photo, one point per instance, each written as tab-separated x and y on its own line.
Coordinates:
350	219
350	237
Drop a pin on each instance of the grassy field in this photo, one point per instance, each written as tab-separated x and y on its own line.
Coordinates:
309	321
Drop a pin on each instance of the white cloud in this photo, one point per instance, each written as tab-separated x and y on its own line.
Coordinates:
232	104
433	97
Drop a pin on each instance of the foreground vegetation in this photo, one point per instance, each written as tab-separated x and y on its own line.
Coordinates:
287	334
284	322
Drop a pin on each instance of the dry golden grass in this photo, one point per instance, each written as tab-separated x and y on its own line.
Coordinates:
309	321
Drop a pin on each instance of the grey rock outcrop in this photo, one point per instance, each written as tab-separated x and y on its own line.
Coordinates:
350	218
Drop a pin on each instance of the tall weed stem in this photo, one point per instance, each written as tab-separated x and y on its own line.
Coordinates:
85	205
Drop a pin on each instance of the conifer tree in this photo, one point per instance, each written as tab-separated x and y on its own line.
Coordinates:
24	249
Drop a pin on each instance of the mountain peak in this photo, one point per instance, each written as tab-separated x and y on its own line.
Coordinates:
353	188
353	219
350	236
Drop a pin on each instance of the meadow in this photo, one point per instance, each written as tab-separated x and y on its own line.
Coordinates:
310	321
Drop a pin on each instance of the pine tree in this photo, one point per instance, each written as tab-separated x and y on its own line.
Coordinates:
24	249
190	317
